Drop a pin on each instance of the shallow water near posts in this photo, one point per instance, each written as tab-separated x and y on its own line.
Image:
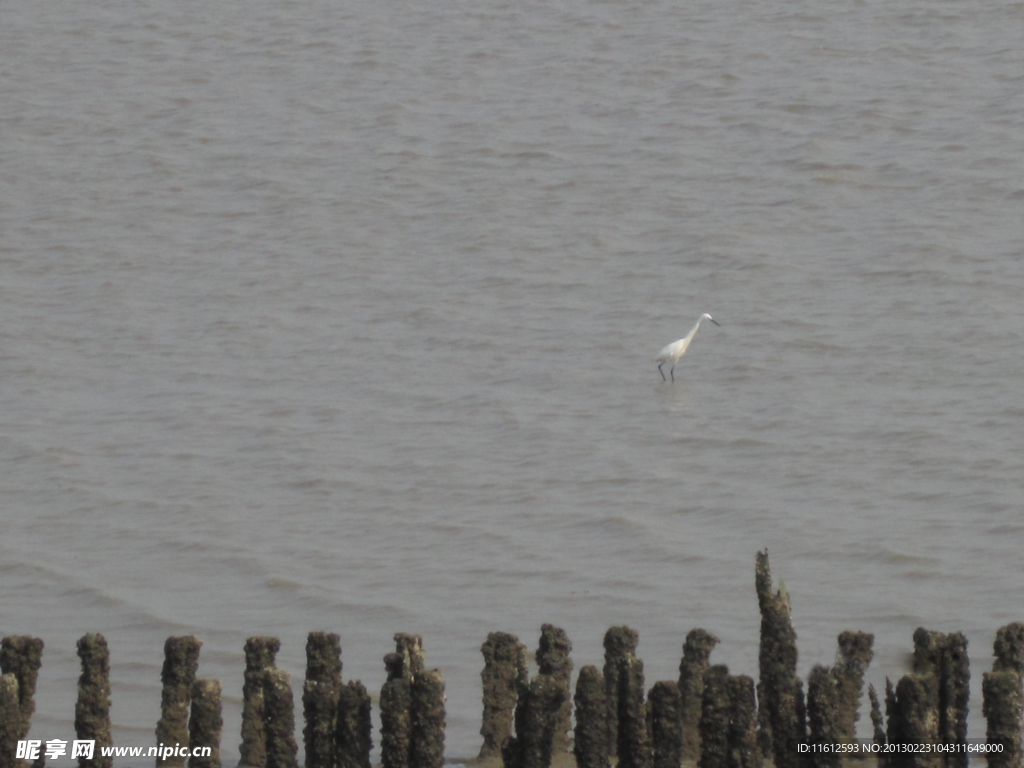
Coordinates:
342	319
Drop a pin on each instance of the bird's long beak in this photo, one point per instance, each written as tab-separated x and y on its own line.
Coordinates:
714	321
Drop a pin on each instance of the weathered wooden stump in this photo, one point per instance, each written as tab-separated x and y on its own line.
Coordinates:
260	653
181	660
92	708
205	723
591	735
504	672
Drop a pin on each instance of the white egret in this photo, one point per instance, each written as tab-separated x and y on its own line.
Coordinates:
676	349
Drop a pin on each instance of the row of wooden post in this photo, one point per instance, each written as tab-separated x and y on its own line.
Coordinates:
707	717
338	730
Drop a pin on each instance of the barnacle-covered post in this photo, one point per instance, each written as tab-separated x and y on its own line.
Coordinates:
692	668
779	692
553	660
590	745
320	693
504	672
181	660
260	653
204	724
279	719
92	709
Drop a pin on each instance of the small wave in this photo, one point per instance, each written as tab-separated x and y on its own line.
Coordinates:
92	596
888	556
283	584
1007	529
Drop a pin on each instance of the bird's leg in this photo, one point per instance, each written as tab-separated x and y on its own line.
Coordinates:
672	370
662	372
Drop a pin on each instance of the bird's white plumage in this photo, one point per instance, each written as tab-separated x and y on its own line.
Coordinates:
676	349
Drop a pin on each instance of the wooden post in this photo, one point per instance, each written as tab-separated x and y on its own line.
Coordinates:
260	653
279	719
591	743
779	692
181	660
666	724
823	718
427	719
852	659
21	656
320	694
619	644
504	671
354	729
205	723
692	668
92	709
